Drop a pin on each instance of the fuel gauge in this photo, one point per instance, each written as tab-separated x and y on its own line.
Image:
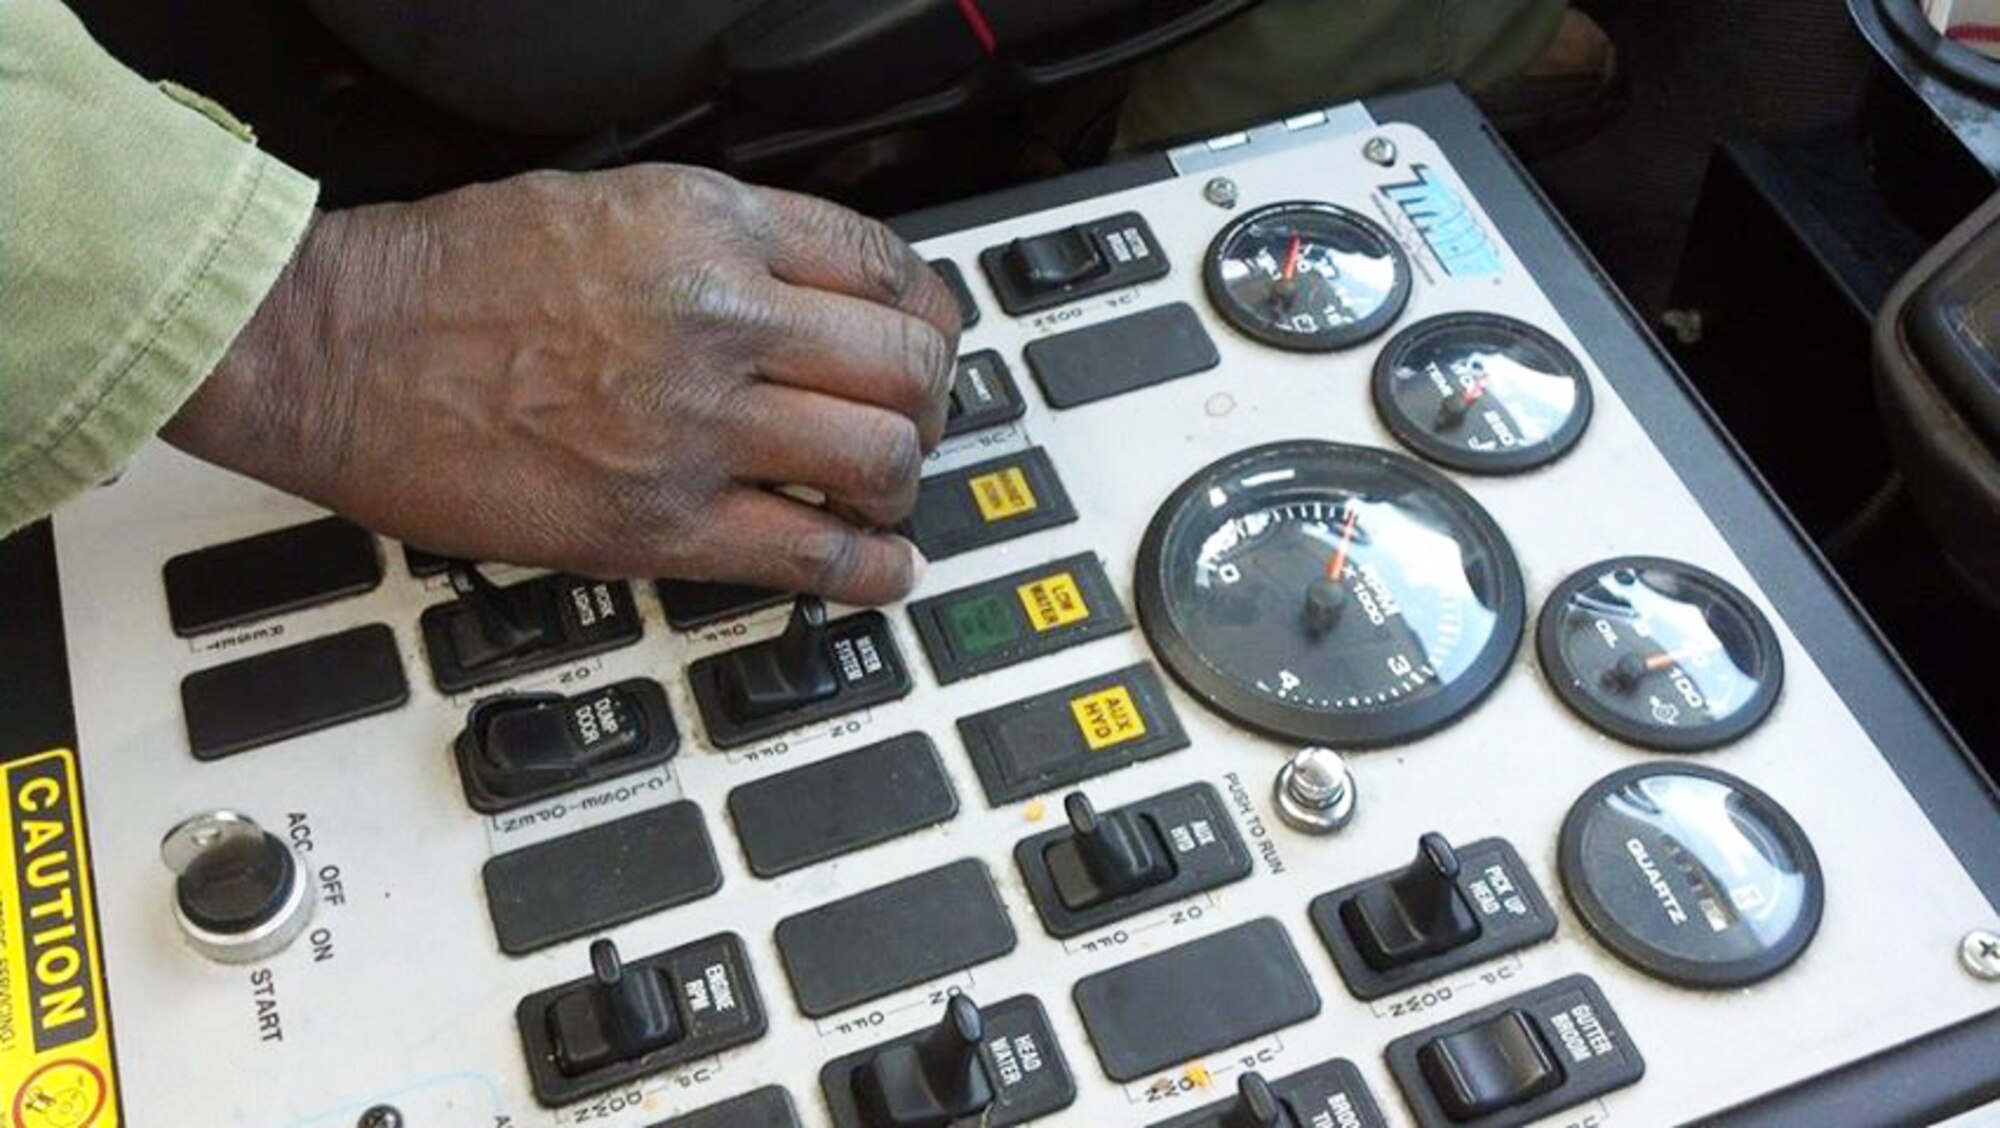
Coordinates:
1659	653
1481	393
1307	276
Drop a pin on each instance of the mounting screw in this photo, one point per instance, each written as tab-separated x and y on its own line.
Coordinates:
1980	953
1220	191
1314	792
1381	150
1684	324
381	1116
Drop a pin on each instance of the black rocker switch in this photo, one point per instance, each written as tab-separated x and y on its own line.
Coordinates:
792	670
1041	263
517	747
1494	1065
503	622
1414	913
1105	857
931	1082
620	1016
1256	1105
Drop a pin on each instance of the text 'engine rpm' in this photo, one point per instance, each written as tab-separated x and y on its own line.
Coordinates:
1328	593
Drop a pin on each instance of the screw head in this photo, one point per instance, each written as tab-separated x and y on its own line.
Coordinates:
380	1116
1380	150
1314	791
1220	191
1980	953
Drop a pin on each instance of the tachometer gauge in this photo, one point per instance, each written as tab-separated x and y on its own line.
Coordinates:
1660	653
1307	276
1329	594
1481	393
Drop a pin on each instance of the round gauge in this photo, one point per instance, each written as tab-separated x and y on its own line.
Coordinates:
1690	874
1307	276
1481	393
1329	594
1659	653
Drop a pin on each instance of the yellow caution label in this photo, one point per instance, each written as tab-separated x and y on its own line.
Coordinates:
55	1037
1003	494
1053	601
1107	717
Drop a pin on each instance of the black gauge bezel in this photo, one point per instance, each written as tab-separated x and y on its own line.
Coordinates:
1398	723
1582	699
1633	949
1424	441
1331	340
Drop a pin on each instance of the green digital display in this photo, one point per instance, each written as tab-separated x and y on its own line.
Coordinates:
982	624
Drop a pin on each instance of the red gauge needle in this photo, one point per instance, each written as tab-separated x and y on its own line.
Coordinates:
1291	270
1336	569
1667	658
1475	392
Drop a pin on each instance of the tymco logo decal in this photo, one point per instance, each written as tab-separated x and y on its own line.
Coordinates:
1447	225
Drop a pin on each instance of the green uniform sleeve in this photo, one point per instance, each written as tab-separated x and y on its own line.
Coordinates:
140	227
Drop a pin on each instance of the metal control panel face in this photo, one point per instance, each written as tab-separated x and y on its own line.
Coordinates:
859	921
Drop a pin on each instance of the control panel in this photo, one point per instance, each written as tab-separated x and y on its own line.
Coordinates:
1348	690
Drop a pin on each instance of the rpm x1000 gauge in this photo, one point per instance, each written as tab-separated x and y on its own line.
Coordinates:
1329	594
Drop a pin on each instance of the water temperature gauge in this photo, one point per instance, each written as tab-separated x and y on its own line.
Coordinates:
1307	276
1481	393
1659	653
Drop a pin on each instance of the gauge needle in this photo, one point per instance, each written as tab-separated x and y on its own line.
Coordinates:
1453	409
1336	568
1288	275
1292	260
1631	669
1667	658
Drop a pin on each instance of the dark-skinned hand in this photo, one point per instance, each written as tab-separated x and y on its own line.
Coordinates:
604	373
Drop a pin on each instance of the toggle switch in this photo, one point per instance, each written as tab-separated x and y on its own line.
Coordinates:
1495	1065
1041	263
1413	913
1105	857
1256	1106
622	1014
240	895
519	747
788	672
504	623
931	1082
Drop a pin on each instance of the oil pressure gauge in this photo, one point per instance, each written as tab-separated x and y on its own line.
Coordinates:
1659	653
1307	276
1481	393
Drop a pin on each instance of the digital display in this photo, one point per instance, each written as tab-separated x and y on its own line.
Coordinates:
983	624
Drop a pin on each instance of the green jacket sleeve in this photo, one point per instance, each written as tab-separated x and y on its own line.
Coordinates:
140	227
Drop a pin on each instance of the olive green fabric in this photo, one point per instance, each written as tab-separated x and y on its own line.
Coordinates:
140	226
1291	54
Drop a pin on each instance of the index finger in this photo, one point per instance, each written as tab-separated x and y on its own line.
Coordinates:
827	247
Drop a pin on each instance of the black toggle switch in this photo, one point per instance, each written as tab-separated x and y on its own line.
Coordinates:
931	1082
622	1015
504	621
1495	1065
1256	1105
1414	913
517	747
1105	856
788	672
1041	263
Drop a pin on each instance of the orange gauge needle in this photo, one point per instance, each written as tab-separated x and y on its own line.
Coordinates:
1292	260
1475	392
1667	658
1336	569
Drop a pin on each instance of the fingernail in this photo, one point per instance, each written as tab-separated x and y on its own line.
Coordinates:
918	565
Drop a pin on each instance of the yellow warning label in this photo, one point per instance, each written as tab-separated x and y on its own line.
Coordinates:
1053	601
1107	717
55	1038
1002	494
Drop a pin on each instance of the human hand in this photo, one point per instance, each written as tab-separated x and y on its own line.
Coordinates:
602	373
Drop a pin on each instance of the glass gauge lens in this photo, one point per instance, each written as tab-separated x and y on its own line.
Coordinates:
1481	393
1307	276
1691	875
1659	653
1329	594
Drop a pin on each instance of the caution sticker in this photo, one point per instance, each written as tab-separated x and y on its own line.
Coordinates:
1107	717
55	1037
1053	601
1002	494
